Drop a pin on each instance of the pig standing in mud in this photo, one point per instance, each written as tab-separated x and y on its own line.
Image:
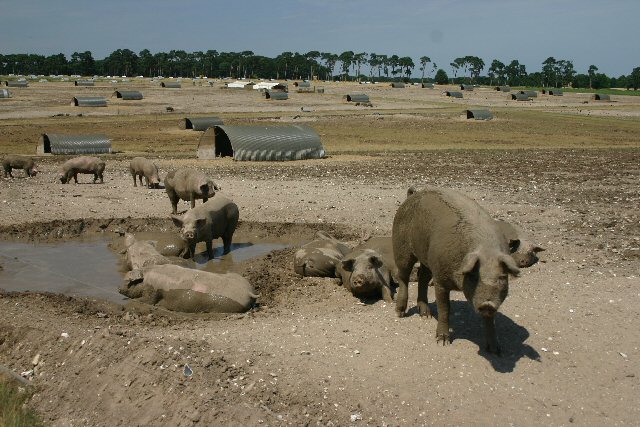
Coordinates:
320	257
188	184
19	162
90	165
192	291
368	270
215	218
458	245
140	167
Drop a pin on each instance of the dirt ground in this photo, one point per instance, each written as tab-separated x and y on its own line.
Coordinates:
310	353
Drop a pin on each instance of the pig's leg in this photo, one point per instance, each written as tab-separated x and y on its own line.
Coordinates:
386	294
491	339
101	178
75	177
405	264
133	174
95	177
193	200
424	276
443	302
226	242
174	199
210	249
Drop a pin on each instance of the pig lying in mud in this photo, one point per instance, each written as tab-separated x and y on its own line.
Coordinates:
19	162
192	291
90	165
368	270
140	254
217	217
320	257
460	247
188	184
141	167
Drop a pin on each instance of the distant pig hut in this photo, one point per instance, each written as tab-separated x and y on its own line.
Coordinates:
171	85
261	143
51	143
453	94
479	114
276	95
356	97
128	95
427	85
200	123
601	97
466	87
18	83
503	88
397	85
4	93
89	101
84	83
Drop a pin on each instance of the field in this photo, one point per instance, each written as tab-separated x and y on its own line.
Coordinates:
566	169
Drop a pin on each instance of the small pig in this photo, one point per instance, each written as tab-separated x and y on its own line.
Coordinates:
320	257
192	291
140	167
19	162
188	184
460	247
89	165
523	251
217	217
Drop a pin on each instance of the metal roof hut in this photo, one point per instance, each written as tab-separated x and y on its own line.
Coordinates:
356	97
4	93
261	143
427	85
276	95
200	123
555	92
453	94
601	97
128	95
466	87
73	144
84	83
397	85
520	97
503	88
302	84
89	101
479	114
20	83
529	93
171	85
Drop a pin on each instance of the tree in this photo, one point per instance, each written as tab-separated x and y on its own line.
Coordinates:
634	79
565	71
424	60
359	59
346	58
312	57
475	66
515	72
497	71
330	60
441	77
592	72
406	64
283	60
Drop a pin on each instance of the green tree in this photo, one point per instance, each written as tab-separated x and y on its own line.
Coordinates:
424	60
406	64
82	63
497	71
441	77
359	59
346	58
312	57
634	79
592	72
330	60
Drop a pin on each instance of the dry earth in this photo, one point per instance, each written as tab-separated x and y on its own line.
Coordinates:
310	353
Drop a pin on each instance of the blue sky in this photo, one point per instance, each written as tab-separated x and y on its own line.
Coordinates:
586	32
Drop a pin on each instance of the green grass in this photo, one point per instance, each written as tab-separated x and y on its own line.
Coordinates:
13	412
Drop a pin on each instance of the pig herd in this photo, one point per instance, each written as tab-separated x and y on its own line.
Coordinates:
442	236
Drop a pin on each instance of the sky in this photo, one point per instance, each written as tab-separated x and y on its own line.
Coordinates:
587	32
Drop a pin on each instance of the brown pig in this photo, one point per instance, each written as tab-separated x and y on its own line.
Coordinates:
320	257
458	245
89	165
217	217
139	167
523	251
19	162
188	184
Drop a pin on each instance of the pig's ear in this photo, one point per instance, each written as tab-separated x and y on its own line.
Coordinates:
347	264
375	261
200	222
514	244
177	220
470	263
509	264
204	189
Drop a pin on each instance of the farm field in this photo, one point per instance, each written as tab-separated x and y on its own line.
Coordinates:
566	169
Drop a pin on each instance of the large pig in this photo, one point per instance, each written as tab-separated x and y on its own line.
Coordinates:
139	167
89	165
320	257
458	245
141	254
19	162
188	184
217	217
522	249
368	270
193	291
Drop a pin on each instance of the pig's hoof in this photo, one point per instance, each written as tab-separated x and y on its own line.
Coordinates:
399	313
493	349
443	336
424	310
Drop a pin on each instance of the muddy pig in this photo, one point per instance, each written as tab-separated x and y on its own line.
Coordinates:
89	165
19	162
367	270
193	291
461	248
217	217
320	257
523	251
188	184
140	167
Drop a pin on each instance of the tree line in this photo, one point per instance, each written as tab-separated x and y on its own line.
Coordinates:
324	65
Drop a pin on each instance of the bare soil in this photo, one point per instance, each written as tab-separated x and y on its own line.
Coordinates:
310	353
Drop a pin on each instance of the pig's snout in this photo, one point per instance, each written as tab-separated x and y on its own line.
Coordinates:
189	235
358	282
487	309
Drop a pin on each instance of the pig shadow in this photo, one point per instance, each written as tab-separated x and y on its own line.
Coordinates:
467	324
203	257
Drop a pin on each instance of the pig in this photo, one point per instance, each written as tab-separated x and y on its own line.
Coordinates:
188	184
167	244
320	257
89	165
368	270
19	162
144	253
192	291
217	217
139	167
461	248
523	251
